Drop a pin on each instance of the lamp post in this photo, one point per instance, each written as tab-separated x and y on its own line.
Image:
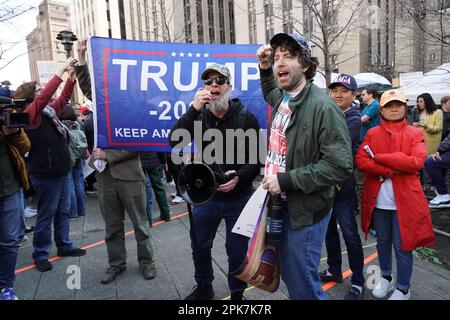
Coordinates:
67	38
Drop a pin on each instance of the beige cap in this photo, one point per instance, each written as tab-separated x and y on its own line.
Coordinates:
392	95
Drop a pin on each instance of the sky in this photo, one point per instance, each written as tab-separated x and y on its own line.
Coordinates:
16	30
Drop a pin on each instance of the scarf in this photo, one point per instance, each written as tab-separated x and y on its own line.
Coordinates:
60	127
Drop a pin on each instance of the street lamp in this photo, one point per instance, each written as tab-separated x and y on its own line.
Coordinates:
67	38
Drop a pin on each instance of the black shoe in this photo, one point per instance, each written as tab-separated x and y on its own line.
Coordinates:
111	273
43	265
165	218
355	294
148	271
204	293
325	277
29	229
74	252
237	295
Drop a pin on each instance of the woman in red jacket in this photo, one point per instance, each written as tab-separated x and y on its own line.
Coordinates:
391	155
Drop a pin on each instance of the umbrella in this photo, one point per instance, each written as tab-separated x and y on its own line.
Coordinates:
367	78
319	79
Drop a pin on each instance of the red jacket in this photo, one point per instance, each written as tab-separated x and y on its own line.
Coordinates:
400	152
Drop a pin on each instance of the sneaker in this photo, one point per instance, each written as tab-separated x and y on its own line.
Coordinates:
91	191
325	276
8	294
30	213
170	184
383	287
29	229
398	295
148	271
173	195
111	273
237	295
24	239
177	200
205	293
440	199
43	265
73	252
355	294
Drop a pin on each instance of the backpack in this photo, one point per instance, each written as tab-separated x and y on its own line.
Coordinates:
77	141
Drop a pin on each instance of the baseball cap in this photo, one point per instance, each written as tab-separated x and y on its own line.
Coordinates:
392	95
301	41
220	68
345	80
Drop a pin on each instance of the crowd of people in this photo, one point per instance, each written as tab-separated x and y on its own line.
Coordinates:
319	145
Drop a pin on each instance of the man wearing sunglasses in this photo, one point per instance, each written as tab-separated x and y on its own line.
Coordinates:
214	109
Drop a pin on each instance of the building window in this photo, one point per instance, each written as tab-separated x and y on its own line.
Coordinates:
201	38
252	20
211	21
268	18
187	21
231	16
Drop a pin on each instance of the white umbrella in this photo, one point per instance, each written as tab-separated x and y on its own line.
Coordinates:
319	79
367	78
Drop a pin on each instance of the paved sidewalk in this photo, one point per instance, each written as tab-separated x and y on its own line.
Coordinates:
175	268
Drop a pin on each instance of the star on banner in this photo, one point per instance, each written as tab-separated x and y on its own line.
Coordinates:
206	55
182	54
174	54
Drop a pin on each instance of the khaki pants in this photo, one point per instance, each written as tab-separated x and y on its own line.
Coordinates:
116	196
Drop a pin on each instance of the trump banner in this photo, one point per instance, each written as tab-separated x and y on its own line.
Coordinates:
140	89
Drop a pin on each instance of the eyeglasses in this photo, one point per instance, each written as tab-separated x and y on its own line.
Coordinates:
219	80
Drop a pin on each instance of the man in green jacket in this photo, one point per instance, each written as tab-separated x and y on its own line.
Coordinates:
309	155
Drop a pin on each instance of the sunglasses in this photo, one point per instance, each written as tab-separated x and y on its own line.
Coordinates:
219	80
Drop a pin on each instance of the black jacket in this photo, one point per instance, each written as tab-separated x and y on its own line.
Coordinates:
49	155
237	117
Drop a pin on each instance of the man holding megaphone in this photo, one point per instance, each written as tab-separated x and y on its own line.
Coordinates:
213	110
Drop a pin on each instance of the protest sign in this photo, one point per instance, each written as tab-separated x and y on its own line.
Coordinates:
140	89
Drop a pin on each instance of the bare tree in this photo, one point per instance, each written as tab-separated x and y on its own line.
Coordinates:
328	30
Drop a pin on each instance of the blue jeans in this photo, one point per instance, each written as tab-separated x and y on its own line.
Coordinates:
300	253
207	218
437	170
344	207
78	180
148	193
10	221
386	225
53	207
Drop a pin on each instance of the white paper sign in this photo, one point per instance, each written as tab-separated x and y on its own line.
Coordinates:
246	223
46	70
87	170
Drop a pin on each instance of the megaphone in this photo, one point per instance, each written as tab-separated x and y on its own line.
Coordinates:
197	182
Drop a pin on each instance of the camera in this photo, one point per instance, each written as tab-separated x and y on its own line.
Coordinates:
10	118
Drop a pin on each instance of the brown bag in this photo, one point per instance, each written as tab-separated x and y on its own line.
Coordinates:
261	267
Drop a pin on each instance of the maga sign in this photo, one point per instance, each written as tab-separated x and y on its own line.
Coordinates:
141	88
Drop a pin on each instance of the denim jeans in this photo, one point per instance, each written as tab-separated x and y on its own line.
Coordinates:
388	235
437	170
53	207
148	193
344	214
78	180
207	218
10	221
155	175
300	253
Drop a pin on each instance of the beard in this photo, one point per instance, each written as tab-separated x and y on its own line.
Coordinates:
220	106
297	78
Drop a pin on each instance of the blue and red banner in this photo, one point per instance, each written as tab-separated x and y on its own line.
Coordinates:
141	88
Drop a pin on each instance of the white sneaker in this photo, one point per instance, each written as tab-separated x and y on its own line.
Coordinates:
173	195
383	287
440	199
30	213
398	295
177	200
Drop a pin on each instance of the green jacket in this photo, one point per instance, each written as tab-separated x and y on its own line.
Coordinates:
319	155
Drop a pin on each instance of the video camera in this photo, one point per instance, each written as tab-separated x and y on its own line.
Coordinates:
12	119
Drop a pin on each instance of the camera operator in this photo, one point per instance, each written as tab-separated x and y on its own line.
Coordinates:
13	145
